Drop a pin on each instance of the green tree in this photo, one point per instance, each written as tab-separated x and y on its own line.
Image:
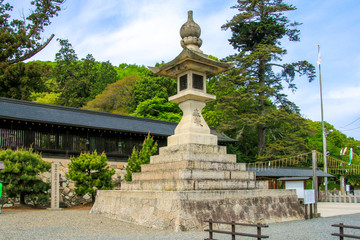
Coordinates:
138	158
116	96
20	39
82	80
254	85
335	141
20	80
47	97
104	74
90	172
287	132
74	90
151	86
21	175
124	70
158	108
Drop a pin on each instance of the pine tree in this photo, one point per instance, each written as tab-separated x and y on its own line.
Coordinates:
90	172
138	158
21	175
254	86
20	39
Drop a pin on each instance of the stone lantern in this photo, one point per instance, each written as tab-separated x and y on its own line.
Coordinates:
193	179
191	68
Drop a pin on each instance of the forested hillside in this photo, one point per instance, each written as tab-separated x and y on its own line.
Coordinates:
250	107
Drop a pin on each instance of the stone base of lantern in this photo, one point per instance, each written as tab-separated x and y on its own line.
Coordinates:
187	184
198	138
187	210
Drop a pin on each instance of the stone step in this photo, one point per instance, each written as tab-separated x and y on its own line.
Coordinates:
193	156
204	165
192	147
261	184
193	174
190	185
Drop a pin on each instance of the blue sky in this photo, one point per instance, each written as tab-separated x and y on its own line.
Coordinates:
145	32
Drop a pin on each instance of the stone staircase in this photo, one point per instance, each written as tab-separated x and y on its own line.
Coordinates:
189	183
190	167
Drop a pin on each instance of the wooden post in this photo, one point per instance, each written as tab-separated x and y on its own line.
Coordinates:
259	231
211	229
315	181
341	231
233	230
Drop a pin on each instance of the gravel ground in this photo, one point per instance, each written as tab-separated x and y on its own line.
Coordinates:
79	224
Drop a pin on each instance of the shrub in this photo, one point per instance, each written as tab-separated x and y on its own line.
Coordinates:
21	176
138	158
90	172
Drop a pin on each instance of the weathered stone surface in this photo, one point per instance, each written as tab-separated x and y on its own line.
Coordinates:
189	185
193	156
193	174
200	148
192	164
187	210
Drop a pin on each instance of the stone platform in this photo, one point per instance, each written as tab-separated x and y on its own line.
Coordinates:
187	210
189	183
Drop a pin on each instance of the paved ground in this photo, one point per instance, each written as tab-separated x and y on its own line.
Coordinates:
79	224
330	209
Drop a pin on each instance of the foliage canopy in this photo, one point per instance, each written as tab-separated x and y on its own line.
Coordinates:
138	158
250	95
90	172
21	176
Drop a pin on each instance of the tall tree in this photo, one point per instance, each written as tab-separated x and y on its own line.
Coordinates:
257	79
20	39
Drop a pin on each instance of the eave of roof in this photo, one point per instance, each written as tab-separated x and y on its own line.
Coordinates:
287	172
293	178
170	69
52	114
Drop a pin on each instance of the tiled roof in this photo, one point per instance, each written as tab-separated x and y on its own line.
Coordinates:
38	112
287	172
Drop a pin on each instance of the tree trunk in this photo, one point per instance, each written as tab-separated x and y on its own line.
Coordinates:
261	138
261	106
22	198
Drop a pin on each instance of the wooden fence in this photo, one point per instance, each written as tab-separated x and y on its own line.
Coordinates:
350	198
233	233
341	233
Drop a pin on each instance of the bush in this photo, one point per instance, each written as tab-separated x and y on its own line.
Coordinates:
90	172
21	176
138	158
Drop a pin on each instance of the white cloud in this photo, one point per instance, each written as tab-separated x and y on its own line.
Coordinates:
147	31
350	93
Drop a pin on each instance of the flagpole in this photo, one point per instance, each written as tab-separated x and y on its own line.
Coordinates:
323	124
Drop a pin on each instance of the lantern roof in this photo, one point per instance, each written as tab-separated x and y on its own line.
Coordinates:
191	58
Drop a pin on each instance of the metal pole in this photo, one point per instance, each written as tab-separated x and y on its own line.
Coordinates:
315	181
323	127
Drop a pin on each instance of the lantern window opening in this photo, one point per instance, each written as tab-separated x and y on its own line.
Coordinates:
192	80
